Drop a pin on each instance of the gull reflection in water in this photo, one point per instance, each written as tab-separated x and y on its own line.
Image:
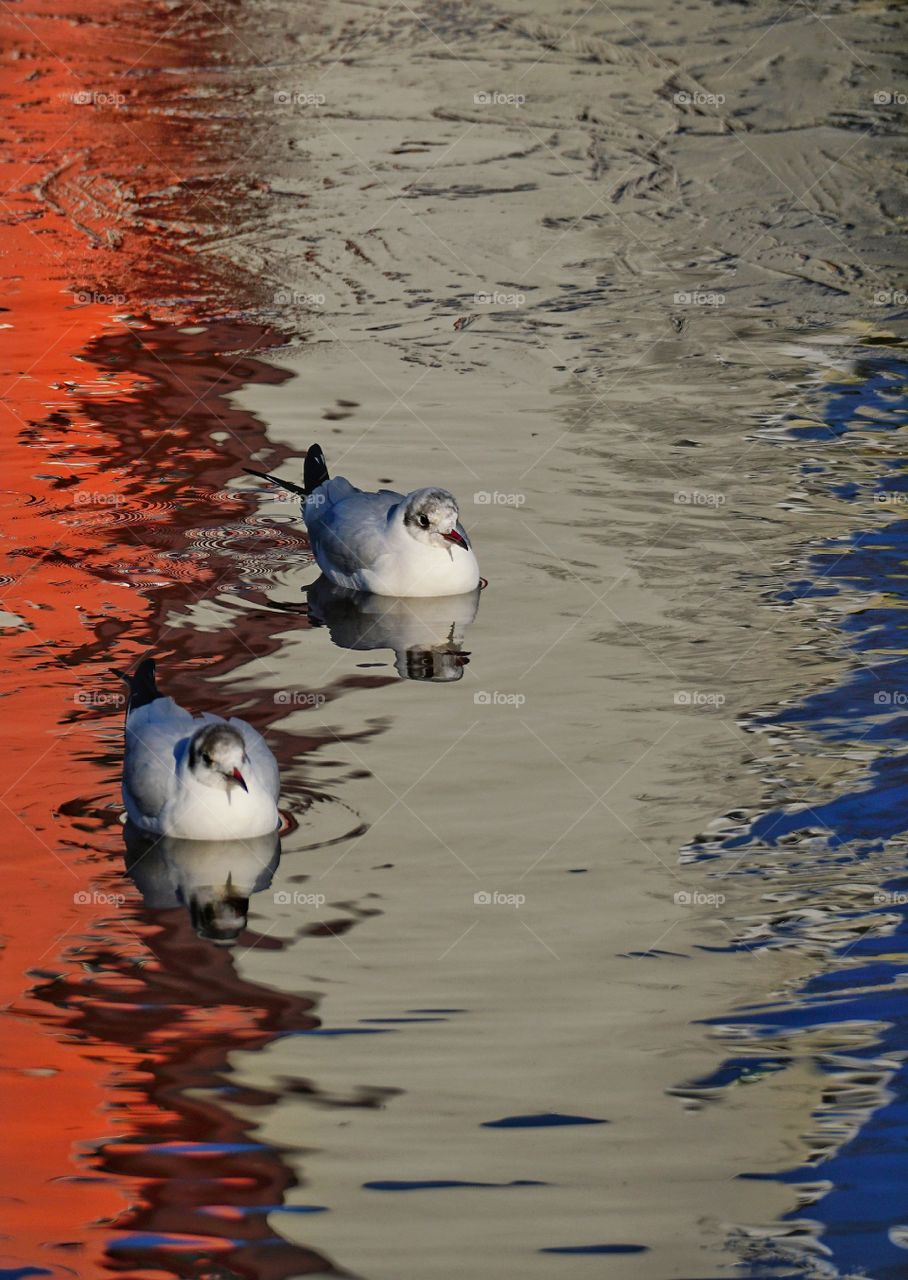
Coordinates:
213	879
426	633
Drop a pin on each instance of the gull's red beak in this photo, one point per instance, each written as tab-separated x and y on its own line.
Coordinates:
239	779
457	538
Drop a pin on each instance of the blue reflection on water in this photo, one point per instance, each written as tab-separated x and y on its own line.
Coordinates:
851	1019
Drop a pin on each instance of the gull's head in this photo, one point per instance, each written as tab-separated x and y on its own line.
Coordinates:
217	754
439	664
430	516
219	914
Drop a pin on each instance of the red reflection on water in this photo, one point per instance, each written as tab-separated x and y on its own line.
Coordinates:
118	440
169	1010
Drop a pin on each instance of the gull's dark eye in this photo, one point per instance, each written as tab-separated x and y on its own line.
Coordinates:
206	758
423	522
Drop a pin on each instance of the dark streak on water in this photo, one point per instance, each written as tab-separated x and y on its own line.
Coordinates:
443	1184
545	1120
596	1248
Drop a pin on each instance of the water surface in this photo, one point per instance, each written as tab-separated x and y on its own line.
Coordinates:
566	866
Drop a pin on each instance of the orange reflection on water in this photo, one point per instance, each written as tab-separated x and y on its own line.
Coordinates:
118	439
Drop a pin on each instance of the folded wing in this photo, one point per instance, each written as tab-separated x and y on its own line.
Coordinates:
153	734
350	531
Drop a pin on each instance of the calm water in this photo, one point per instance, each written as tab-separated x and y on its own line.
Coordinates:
580	950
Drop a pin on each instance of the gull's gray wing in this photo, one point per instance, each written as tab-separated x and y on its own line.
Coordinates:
153	732
351	533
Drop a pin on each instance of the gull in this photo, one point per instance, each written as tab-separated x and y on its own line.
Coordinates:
194	777
385	543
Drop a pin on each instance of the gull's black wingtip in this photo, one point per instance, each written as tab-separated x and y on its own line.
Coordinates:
315	468
315	472
142	685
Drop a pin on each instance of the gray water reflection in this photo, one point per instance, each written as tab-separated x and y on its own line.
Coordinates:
212	879
426	635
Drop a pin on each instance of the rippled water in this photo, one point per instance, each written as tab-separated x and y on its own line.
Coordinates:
564	865
831	858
